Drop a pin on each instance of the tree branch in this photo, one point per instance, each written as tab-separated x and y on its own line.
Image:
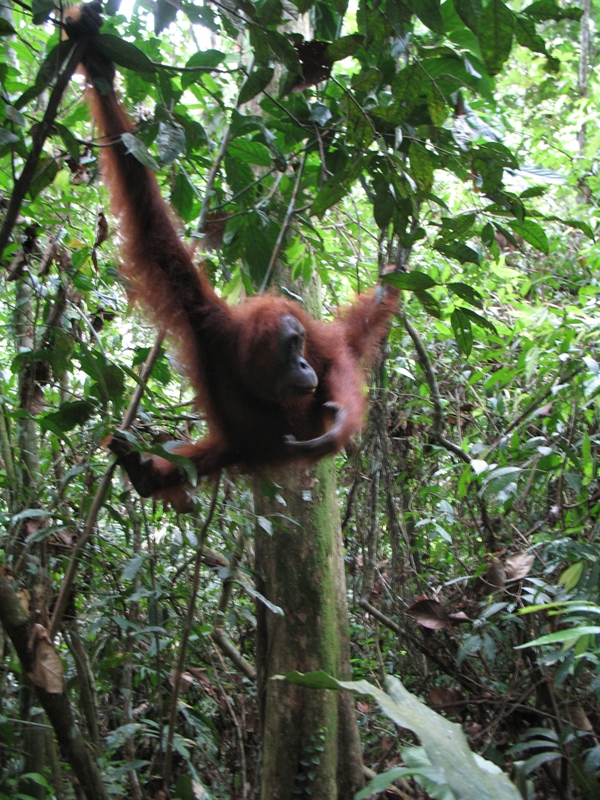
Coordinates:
39	136
18	624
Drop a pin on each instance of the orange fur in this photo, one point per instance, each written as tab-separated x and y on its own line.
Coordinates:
230	353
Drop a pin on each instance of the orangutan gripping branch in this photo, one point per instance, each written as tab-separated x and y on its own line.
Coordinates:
276	385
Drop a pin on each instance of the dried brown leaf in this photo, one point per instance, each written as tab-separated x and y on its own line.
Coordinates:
518	566
430	614
47	672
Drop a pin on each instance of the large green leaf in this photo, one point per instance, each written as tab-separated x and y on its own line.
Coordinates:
543	10
458	250
533	233
124	53
139	150
337	186
205	59
527	35
466	292
68	416
41	10
495	35
469	11
444	741
421	165
171	141
344	47
428	11
249	152
463	332
410	281
258	80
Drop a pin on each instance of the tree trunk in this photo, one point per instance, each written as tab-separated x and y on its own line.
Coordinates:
311	746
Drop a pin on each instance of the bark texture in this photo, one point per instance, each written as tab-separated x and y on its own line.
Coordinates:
311	746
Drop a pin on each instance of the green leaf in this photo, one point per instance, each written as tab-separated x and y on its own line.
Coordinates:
383	780
114	381
259	245
69	415
344	47
239	175
258	80
366	80
581	225
6	29
46	73
463	332
566	636
206	59
41	10
360	129
532	233
480	321
421	165
320	113
249	152
533	191
429	303
458	250
490	171
330	194
124	53
466	292
488	234
508	235
260	46
444	741
571	576
498	479
428	11
285	52
14	116
406	91
7	137
461	225
384	203
70	142
543	10
469	11
139	150
46	171
183	197
337	186
410	281
131	569
495	35
171	141
436	104
165	12
527	35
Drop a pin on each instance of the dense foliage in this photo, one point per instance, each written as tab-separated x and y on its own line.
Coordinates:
452	140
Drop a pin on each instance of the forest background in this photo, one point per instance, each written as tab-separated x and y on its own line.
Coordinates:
457	141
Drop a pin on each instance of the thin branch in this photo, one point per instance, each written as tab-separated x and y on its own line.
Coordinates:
535	403
185	635
18	624
379	616
436	398
285	225
90	522
39	136
218	632
210	179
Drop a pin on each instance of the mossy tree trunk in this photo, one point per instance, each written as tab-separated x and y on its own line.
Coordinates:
311	746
